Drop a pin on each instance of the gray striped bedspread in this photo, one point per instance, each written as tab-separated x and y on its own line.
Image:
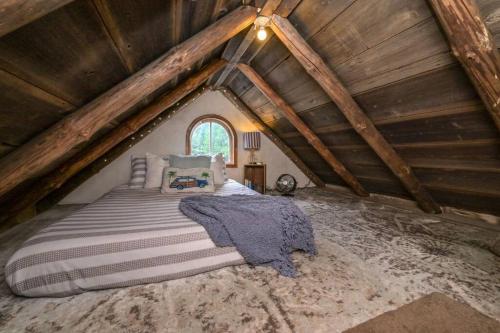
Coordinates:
127	237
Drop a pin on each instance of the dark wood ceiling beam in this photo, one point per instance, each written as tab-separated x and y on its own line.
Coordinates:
320	72
267	10
119	44
473	45
286	7
35	91
244	45
302	127
16	13
269	133
117	135
36	156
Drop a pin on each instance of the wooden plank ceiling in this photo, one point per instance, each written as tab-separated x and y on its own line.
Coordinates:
395	61
391	55
65	59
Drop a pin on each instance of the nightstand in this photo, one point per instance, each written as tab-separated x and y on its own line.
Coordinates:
255	177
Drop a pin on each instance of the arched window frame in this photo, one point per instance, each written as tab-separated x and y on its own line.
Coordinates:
233	140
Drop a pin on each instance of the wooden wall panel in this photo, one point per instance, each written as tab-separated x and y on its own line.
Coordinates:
394	59
407	83
444	92
145	27
467	150
23	116
67	53
470	201
486	182
467	126
410	36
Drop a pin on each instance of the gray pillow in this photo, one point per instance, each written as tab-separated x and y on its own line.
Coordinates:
189	162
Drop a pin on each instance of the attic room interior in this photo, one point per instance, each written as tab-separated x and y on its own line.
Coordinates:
250	166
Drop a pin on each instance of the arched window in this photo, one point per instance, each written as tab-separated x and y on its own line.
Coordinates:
210	135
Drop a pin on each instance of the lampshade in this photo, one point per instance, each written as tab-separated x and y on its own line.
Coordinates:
251	140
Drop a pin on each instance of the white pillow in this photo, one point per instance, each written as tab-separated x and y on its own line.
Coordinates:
154	166
218	166
176	180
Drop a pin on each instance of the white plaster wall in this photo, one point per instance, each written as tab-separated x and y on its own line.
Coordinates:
169	138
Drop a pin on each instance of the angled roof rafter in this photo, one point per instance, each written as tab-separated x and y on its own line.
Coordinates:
16	13
473	45
115	35
283	7
267	131
34	157
325	77
310	136
116	136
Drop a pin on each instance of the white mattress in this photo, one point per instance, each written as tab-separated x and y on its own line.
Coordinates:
127	237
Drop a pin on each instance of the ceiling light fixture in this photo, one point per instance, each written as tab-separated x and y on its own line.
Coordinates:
260	24
262	33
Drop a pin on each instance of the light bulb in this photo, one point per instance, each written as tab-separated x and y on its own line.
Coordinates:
262	33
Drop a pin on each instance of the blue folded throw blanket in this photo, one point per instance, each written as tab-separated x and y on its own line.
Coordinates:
264	229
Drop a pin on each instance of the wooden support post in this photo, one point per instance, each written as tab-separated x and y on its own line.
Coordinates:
124	130
262	127
320	72
36	156
310	136
474	47
16	13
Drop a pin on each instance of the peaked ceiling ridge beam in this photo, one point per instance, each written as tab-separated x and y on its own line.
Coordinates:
325	77
271	135
473	45
36	156
302	127
124	130
283	8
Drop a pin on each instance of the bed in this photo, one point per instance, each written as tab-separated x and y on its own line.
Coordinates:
127	237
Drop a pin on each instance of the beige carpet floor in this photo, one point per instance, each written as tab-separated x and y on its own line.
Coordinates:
373	258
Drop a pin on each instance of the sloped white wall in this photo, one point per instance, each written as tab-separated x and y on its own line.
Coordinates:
169	138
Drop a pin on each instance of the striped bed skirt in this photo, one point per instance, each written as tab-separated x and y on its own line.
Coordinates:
127	237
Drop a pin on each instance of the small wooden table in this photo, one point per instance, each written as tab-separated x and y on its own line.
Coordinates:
255	177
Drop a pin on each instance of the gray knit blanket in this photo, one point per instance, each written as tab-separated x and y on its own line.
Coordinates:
264	229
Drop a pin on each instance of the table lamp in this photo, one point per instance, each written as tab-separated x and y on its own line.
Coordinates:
251	142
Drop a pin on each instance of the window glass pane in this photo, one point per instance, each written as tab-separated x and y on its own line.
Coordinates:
200	139
220	141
